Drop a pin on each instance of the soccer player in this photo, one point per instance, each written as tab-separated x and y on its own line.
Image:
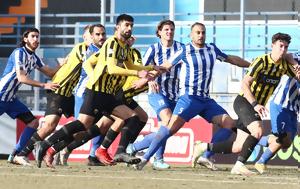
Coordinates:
258	85
284	110
104	81
164	91
20	64
98	36
198	59
61	100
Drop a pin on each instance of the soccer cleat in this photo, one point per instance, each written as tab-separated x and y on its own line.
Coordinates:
205	162
39	153
160	164
199	149
49	158
64	156
10	158
104	157
21	160
241	169
130	150
260	167
93	161
140	165
126	158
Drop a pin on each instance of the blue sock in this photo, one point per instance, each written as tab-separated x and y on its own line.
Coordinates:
263	141
160	152
96	143
145	143
266	156
221	135
25	136
160	138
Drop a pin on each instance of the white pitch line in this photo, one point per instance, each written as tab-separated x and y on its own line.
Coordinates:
148	178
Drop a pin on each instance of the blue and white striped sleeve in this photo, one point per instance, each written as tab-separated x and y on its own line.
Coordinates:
220	54
177	57
19	59
148	57
39	62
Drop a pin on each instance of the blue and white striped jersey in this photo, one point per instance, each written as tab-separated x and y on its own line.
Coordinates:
168	82
287	93
20	59
197	68
80	87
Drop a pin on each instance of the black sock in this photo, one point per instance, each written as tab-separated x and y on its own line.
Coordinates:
30	145
62	144
221	147
127	133
136	131
247	148
110	136
66	132
86	136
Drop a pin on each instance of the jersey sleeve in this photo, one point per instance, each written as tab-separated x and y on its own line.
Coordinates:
148	57
219	53
177	57
19	59
39	62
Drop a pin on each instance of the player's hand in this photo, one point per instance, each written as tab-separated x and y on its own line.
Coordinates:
139	83
51	86
142	74
153	86
261	110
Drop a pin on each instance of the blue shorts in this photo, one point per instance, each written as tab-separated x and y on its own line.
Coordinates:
189	106
159	102
283	120
13	108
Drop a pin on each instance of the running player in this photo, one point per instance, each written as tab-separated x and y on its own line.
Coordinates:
20	64
61	100
164	91
198	59
284	110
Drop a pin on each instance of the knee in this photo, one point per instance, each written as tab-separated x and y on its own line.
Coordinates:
34	124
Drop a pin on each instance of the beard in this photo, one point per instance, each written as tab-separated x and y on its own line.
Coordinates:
126	35
32	46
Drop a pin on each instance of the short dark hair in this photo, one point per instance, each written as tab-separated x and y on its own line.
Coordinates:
161	25
123	17
25	35
282	37
197	24
91	29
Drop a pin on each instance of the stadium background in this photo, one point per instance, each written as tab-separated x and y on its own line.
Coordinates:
61	24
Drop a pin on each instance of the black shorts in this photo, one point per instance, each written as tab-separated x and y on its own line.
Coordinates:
26	117
245	111
97	104
131	103
58	104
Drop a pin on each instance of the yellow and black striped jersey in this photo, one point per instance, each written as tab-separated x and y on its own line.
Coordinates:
113	67
128	91
68	75
266	74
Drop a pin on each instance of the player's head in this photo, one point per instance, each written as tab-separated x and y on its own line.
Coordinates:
31	39
124	25
165	30
86	36
98	34
280	44
198	34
